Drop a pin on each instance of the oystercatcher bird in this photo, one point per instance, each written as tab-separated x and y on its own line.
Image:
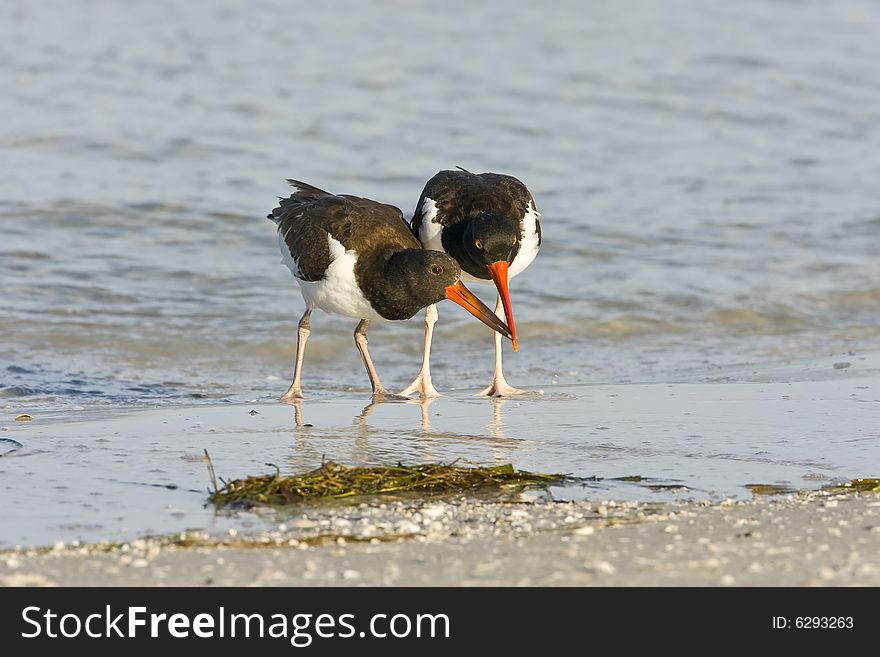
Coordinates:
489	223
357	257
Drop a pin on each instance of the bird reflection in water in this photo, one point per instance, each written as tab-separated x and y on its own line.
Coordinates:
423	404
297	414
495	426
368	440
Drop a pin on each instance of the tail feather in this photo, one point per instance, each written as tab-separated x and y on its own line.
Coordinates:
305	190
303	194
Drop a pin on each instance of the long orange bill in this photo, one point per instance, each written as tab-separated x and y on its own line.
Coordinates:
466	299
498	270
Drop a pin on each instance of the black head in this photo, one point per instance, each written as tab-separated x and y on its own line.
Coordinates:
484	240
484	246
415	278
428	274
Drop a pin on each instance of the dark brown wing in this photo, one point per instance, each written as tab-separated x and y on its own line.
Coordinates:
305	241
462	194
307	217
371	226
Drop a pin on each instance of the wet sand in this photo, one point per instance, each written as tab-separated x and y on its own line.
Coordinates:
119	474
802	540
85	490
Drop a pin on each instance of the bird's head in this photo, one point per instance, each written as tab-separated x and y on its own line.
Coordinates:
432	276
487	239
489	243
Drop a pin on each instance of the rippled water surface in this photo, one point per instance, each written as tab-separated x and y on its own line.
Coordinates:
707	175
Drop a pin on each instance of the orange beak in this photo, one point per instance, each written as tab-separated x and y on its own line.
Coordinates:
466	299
498	270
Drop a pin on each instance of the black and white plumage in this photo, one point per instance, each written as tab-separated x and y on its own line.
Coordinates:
489	224
357	257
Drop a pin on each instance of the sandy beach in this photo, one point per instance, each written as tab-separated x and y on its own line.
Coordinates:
801	540
664	496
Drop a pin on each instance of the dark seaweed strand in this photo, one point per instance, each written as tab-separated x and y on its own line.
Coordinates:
335	481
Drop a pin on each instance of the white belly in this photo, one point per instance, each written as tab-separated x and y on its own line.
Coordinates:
338	292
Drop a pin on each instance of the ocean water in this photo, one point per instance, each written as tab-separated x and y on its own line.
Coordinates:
707	175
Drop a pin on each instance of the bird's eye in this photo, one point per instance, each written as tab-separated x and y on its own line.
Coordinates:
479	245
436	269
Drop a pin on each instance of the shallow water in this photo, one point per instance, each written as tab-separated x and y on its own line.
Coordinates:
707	180
112	475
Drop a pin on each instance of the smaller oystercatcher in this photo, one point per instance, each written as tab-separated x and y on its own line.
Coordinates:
489	223
357	257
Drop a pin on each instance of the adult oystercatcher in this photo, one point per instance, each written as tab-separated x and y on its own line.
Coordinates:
357	257
489	223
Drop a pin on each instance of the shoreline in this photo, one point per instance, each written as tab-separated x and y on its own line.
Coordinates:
93	476
667	472
805	539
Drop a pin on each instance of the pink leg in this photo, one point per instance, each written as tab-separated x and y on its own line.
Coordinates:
295	390
422	383
360	339
499	387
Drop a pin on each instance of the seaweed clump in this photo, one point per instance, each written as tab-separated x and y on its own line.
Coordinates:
770	489
334	481
863	485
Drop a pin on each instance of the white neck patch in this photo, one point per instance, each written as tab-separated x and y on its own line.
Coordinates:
528	248
429	231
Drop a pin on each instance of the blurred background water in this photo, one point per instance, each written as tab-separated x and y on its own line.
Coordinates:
707	174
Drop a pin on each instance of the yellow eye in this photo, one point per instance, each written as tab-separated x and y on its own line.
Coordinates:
436	270
479	245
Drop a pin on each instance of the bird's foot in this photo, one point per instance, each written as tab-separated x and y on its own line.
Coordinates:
422	385
293	395
382	395
500	388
